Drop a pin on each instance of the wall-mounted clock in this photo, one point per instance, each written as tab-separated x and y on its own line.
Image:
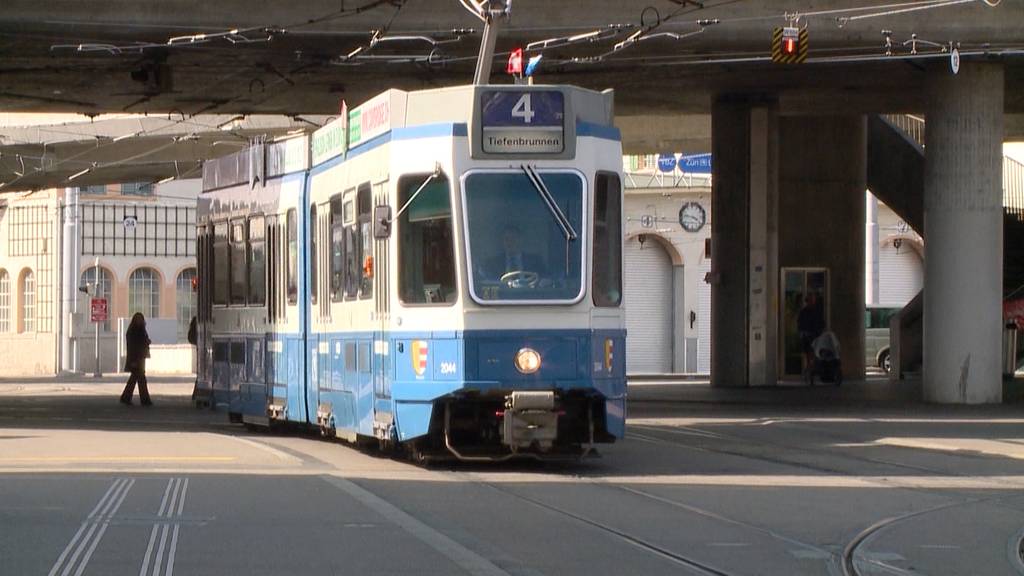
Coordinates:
692	217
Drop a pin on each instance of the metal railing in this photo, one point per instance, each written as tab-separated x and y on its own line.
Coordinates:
912	126
1013	187
649	180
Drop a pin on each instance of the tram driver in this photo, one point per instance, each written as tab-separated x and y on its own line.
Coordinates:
512	262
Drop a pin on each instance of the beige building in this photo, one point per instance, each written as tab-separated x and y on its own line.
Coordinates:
132	245
29	307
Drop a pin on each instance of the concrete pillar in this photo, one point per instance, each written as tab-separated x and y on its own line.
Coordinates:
69	276
763	267
744	280
964	234
871	250
822	180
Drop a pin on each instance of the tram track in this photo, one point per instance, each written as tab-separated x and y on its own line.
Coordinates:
692	564
850	551
799	463
849	556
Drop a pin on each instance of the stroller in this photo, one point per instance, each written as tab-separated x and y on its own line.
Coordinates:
826	365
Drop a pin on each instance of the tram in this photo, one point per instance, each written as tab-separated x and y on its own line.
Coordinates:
439	270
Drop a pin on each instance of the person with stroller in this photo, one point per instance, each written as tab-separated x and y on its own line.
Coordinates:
827	364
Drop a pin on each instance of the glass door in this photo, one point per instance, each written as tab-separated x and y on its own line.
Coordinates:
804	315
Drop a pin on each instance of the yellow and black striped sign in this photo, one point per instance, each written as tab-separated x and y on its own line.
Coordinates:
798	53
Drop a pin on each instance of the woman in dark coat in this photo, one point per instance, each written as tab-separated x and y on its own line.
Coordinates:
137	344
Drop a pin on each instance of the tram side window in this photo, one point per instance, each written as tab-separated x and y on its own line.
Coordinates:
366	237
353	252
312	254
337	250
257	261
293	257
239	275
607	240
426	251
219	266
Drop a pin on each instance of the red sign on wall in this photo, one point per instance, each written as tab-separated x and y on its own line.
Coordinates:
98	309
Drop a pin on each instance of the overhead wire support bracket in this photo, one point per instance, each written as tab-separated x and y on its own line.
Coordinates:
492	13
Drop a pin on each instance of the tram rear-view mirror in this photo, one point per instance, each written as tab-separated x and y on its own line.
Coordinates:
382	222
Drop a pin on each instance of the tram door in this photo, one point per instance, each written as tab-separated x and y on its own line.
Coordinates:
378	266
802	289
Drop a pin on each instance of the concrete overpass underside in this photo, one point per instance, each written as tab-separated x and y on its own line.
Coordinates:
789	140
192	57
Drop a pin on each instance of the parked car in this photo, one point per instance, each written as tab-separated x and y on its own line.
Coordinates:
876	336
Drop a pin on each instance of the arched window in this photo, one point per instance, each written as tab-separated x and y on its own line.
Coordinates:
103	289
5	301
28	301
144	293
184	302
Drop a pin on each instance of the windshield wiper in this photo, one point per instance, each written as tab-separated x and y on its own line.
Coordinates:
538	184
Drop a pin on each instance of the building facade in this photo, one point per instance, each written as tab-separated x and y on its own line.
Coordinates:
667	260
29	310
130	245
667	255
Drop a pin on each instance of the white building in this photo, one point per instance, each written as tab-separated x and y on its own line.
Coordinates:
668	302
129	244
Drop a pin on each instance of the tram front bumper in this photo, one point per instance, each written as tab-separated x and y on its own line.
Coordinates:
529	419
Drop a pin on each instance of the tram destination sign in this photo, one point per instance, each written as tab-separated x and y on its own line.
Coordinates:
522	122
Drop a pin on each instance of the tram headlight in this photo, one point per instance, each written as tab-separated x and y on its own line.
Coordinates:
527	360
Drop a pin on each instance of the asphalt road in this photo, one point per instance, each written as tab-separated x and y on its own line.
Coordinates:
89	487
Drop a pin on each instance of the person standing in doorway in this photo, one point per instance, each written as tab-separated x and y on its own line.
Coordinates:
810	323
137	344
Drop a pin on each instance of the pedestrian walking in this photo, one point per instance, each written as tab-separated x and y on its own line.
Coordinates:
193	339
137	343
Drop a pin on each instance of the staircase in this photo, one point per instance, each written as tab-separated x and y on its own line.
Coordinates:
895	175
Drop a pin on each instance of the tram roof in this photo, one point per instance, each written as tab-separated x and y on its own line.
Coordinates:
380	115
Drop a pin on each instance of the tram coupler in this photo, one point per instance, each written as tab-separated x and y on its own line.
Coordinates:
530	419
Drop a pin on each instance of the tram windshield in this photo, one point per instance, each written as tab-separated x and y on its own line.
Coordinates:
523	238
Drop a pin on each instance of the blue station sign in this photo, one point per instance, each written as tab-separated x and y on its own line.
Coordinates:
666	162
695	163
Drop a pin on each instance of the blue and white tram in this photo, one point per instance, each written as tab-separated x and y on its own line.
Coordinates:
439	269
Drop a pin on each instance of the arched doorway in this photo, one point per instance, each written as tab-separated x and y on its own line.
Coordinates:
649	306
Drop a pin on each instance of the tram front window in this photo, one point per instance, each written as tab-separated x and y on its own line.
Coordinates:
524	233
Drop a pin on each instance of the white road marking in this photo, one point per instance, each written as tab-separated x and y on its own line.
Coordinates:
810	554
167	493
149	549
171	507
280	455
939	547
883	556
74	540
170	555
181	501
729	544
465	558
89	534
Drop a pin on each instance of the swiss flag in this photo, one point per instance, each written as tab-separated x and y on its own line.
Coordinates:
515	62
